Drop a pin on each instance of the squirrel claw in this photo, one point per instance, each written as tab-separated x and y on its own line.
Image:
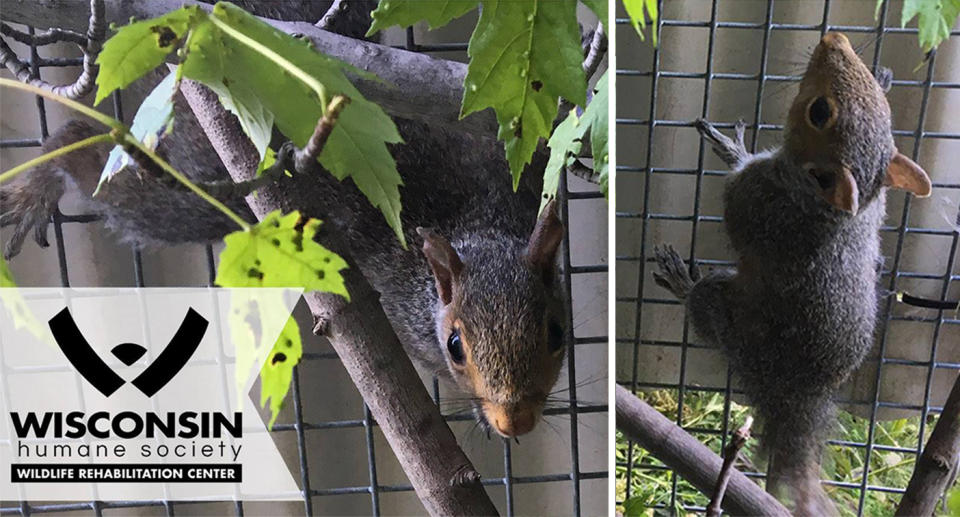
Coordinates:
732	151
28	213
673	274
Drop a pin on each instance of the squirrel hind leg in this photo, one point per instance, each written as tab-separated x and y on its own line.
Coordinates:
732	151
673	274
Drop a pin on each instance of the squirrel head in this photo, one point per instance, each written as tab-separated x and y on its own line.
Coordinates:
499	321
839	131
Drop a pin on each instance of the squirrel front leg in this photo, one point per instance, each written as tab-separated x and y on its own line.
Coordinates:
708	298
732	151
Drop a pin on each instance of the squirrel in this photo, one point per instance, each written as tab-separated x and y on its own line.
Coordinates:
479	305
798	314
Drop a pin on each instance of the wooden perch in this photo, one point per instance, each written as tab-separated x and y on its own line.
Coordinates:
431	88
932	475
730	453
689	458
442	476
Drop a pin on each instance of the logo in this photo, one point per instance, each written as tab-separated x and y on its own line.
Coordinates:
163	369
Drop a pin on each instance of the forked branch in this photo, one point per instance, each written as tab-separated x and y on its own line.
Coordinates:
91	43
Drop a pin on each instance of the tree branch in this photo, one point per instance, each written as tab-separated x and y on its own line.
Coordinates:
596	51
688	457
932	475
359	331
91	44
737	441
414	85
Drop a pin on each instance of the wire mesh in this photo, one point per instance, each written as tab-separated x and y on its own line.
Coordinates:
300	426
641	128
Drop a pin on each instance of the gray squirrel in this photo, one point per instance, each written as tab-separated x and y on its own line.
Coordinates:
798	315
479	305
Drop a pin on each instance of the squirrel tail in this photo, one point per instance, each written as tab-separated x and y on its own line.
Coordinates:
794	434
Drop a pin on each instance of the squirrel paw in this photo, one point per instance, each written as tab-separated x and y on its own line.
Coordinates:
732	151
26	209
673	274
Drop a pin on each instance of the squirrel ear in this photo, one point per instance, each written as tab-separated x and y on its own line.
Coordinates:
443	260
839	188
541	251
904	174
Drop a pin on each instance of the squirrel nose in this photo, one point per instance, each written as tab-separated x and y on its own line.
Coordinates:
514	423
834	40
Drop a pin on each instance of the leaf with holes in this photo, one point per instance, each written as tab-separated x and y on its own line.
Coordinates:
635	10
140	47
277	372
268	77
280	251
408	12
523	56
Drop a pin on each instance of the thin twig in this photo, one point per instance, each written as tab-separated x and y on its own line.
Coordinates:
330	17
90	44
54	35
321	133
932	475
737	441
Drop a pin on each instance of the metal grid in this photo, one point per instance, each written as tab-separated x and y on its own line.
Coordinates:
637	298
300	426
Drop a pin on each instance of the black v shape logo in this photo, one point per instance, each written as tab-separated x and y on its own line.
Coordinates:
173	358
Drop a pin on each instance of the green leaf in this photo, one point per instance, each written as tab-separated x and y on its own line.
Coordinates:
17	308
564	146
565	143
635	507
263	91
408	12
154	119
6	277
953	500
597	115
277	372
523	56
280	252
934	19
599	8
635	9
140	47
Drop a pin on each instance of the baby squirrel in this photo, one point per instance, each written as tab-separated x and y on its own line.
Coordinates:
798	314
478	305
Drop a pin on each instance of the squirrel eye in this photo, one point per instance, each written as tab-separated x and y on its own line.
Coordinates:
554	336
455	347
820	112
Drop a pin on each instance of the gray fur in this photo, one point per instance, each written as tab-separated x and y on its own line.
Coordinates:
798	314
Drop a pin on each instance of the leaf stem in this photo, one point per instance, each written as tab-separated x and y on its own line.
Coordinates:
96	139
121	135
70	103
129	139
275	57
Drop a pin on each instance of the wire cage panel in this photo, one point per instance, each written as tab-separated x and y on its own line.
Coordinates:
325	432
727	61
